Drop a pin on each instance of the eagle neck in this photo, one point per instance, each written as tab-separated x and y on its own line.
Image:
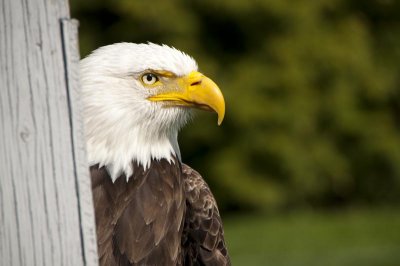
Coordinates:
120	150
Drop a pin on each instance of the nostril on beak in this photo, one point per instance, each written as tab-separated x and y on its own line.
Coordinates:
196	83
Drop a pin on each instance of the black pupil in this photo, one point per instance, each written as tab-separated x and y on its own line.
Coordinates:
149	77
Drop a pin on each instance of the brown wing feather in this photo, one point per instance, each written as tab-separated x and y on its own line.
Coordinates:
203	239
139	222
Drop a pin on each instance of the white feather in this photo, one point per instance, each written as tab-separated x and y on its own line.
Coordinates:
121	125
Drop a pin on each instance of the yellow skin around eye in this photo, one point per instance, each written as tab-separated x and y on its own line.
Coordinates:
155	84
159	74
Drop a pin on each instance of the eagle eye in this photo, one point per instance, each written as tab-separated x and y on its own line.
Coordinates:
149	78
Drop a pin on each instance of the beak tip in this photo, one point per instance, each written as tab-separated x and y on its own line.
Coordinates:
220	119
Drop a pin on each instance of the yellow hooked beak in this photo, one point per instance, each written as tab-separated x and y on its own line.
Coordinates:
194	90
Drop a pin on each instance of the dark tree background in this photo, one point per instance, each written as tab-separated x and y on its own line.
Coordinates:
312	91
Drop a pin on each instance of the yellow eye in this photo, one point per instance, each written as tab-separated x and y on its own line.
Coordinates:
149	79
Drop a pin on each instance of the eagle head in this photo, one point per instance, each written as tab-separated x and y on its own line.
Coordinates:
135	98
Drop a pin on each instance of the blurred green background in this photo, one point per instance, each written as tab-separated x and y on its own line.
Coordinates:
306	166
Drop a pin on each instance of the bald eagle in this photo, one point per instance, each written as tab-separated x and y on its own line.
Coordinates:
150	208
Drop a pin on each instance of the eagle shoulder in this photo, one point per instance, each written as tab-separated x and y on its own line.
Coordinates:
203	238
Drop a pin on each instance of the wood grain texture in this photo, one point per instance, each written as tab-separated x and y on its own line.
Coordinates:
46	213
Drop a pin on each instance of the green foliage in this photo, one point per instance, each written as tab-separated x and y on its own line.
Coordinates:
311	87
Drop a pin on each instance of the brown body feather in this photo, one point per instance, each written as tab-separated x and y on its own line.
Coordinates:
165	215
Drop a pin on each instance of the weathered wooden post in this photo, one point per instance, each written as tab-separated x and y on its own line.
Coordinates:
46	213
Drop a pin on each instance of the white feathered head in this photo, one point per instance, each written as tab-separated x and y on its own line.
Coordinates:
136	97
